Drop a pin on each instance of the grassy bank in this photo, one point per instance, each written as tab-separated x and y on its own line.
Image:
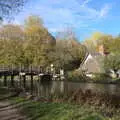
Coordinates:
63	111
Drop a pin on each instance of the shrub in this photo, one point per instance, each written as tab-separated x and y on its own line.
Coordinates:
102	78
76	76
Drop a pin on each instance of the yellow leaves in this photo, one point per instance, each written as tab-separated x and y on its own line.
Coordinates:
93	40
96	40
35	31
33	20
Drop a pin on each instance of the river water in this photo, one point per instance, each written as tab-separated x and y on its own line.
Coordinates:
62	87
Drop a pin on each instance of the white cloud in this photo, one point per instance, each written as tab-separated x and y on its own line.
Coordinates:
58	14
73	14
104	11
86	2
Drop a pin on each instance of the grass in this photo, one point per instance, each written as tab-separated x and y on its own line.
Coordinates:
62	111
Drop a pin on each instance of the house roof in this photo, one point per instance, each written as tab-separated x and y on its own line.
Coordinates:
95	54
91	64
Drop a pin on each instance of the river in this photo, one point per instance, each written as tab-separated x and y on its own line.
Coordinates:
61	87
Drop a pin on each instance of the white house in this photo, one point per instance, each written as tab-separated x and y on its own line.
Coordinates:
93	62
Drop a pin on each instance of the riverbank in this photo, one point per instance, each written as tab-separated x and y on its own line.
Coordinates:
112	81
61	109
8	110
64	111
96	78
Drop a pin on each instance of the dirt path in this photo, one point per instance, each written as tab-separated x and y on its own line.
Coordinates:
9	112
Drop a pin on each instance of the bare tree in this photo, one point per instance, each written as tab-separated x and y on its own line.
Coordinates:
8	7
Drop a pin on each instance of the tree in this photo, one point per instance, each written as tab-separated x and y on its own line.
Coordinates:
33	21
92	42
34	27
8	7
98	39
39	41
27	45
112	62
106	41
11	32
114	46
68	53
11	44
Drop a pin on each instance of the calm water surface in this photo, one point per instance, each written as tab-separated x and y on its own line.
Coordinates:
63	87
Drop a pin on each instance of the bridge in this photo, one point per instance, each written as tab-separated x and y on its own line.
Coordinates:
8	75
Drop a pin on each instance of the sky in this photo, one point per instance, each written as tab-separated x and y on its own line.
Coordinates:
83	16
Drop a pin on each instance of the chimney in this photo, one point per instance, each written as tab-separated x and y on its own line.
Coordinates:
101	49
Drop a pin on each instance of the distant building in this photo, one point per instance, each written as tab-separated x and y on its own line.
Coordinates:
93	62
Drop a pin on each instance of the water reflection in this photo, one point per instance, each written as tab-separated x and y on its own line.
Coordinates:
46	88
62	87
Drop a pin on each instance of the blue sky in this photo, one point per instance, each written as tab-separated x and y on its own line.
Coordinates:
83	16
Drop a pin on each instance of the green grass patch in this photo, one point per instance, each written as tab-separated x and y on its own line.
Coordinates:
62	111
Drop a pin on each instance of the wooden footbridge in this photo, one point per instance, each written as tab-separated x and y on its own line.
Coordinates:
9	73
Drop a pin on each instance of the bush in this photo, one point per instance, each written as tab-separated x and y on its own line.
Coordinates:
102	78
76	76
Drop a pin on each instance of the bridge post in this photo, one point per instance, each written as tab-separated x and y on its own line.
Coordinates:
5	77
31	84
12	80
31	80
12	76
5	80
20	76
20	80
24	81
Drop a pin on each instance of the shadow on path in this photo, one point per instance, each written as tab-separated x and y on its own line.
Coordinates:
8	110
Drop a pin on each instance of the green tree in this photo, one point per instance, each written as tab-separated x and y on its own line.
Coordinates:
68	53
98	39
112	61
39	42
114	46
11	44
106	41
92	42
